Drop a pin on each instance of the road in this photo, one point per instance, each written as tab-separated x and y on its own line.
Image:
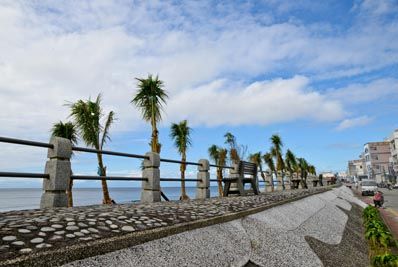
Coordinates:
390	200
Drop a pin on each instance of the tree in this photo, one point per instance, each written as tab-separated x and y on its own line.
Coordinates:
66	130
215	156
149	99
219	156
270	163
303	167
276	151
290	163
256	158
87	116
230	139
180	133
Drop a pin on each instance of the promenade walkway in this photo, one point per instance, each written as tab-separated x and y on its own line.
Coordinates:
65	234
211	232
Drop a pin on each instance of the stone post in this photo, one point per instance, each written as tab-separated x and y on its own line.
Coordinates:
150	191
234	173
203	186
58	167
288	182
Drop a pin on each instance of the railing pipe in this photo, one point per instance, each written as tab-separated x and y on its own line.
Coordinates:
25	142
24	175
107	152
179	180
180	162
108	178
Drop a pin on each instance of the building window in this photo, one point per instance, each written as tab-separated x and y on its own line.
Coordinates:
373	148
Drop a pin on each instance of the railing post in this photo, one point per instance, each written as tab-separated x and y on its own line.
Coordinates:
234	173
58	167
150	191
203	186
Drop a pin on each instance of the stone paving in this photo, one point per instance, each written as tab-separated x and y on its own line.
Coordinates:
30	231
319	230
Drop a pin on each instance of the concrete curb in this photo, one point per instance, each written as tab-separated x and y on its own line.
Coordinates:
105	245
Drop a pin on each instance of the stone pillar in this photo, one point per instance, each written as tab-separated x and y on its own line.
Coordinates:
279	179
150	191
203	186
58	167
234	173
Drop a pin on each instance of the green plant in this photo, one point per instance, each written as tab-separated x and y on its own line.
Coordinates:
385	260
181	135
149	99
88	116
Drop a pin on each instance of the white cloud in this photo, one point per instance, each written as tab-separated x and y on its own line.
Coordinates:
365	92
354	122
260	103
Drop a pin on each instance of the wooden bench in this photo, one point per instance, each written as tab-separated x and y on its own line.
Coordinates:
244	168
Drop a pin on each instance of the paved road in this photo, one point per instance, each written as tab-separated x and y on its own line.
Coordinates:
390	199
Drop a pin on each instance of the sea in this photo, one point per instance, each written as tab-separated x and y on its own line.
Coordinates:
29	198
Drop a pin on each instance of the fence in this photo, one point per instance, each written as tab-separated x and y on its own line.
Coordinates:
58	172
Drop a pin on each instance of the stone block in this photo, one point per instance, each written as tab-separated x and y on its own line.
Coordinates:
62	148
153	176
235	169
148	196
205	165
60	172
202	193
204	180
153	161
52	199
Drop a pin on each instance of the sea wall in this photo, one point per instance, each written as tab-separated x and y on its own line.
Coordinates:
319	230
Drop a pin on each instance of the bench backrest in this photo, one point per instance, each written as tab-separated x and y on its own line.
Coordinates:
249	168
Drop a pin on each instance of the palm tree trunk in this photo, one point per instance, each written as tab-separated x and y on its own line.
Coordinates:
283	182
105	191
219	182
69	193
261	173
182	168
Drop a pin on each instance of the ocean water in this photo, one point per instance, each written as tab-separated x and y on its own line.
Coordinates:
29	198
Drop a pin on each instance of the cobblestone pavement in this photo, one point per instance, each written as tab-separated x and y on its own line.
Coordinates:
30	231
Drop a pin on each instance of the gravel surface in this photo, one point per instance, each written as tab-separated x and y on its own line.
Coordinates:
31	231
351	251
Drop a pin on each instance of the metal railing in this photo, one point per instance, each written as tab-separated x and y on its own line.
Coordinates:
102	152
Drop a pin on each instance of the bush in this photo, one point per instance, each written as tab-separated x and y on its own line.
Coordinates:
380	238
385	260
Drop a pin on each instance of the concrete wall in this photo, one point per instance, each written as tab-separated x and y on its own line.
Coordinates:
275	237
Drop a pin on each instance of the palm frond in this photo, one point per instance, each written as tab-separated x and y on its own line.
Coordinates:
65	130
105	134
181	135
150	98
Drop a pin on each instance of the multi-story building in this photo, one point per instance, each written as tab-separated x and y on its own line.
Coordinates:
393	140
356	168
377	160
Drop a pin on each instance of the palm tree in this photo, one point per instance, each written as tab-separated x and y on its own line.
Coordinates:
230	139
219	156
180	133
66	130
291	163
149	99
276	151
87	116
256	158
303	167
270	163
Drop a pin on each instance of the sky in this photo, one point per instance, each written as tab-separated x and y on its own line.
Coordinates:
321	74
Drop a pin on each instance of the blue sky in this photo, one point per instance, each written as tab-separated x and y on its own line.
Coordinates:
322	74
